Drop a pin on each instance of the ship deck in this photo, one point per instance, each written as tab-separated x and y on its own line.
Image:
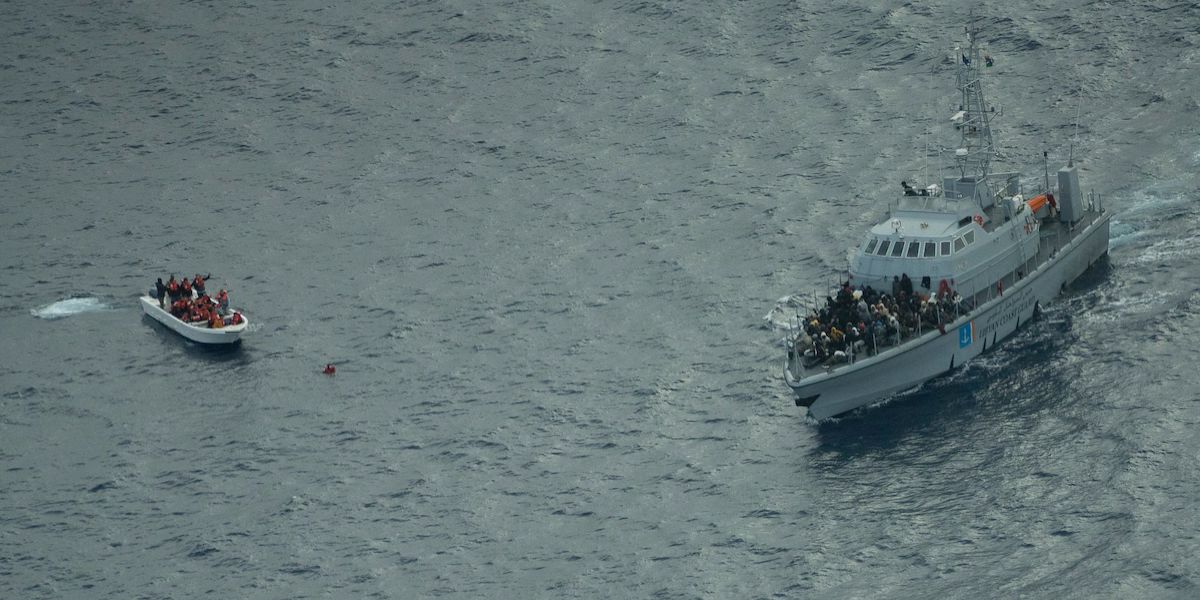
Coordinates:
1054	236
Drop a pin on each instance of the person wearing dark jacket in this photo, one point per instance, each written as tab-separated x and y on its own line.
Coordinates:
160	291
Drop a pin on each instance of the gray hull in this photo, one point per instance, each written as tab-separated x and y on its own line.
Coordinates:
910	364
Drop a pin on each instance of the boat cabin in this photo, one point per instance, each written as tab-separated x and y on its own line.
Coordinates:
963	232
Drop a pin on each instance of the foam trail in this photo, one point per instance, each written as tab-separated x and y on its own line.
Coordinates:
68	307
1122	234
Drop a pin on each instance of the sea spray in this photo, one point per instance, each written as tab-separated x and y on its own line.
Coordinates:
68	307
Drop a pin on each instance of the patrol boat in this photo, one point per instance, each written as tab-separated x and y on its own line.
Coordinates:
982	252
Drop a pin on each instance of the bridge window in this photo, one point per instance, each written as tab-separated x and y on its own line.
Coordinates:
945	249
871	246
969	236
930	249
897	248
883	248
959	244
913	248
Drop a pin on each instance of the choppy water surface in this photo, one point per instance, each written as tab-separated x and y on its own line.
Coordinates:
538	240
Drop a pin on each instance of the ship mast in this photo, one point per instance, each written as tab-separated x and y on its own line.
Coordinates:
974	155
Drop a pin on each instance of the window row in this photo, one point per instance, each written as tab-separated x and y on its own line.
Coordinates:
880	247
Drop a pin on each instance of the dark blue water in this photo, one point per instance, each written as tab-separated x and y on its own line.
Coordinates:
539	240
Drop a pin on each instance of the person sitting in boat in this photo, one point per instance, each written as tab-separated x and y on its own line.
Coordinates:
854	340
836	337
236	319
215	321
963	304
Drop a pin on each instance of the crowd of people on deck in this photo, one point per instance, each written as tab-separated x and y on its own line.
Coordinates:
862	321
191	303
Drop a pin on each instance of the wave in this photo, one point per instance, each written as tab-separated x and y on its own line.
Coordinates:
788	313
1121	234
68	307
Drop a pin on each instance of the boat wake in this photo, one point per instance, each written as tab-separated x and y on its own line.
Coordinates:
787	313
68	307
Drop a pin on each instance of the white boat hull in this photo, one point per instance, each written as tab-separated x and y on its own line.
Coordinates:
902	368
201	334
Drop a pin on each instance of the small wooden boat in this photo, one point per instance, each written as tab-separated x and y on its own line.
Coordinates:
197	332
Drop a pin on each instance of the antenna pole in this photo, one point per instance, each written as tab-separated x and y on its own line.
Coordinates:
1071	154
1046	166
976	150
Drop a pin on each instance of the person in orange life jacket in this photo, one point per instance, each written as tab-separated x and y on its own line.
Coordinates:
223	301
198	283
214	320
173	288
185	288
236	319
